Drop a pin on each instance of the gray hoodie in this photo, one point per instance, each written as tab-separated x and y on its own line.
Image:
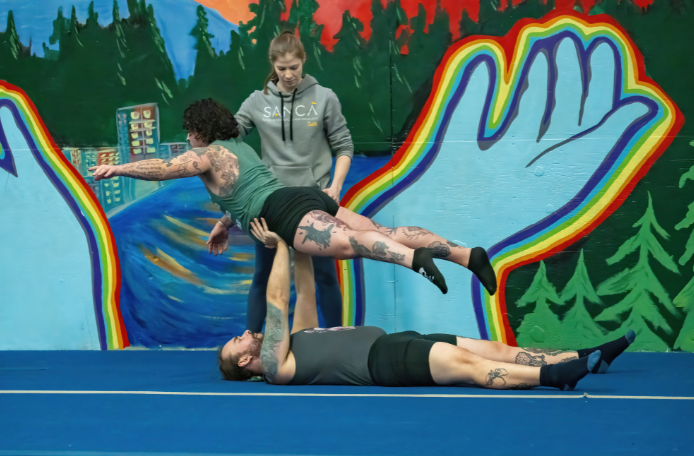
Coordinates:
297	131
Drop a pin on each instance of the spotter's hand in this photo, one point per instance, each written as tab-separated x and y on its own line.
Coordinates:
263	234
104	172
333	192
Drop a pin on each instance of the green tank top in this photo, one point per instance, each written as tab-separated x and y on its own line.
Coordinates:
254	185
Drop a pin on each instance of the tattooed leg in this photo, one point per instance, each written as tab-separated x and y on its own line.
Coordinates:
475	259
320	234
323	235
497	351
451	365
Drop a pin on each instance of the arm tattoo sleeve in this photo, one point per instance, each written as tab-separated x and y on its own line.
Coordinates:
275	330
186	165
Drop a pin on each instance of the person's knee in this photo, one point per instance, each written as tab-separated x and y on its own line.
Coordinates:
502	349
465	358
343	246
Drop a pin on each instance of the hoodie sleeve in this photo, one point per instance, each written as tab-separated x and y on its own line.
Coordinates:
335	126
244	118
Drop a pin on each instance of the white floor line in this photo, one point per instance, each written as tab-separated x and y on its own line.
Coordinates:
448	396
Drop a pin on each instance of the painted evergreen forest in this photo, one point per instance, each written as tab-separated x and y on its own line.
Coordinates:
633	271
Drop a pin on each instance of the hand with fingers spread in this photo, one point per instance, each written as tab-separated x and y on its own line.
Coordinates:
263	234
218	241
104	172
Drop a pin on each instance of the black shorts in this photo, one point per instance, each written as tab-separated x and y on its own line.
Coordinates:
402	359
285	208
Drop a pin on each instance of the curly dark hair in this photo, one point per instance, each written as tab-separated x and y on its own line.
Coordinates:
230	369
210	120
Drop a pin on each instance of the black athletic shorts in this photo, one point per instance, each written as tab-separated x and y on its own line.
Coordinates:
284	209
402	359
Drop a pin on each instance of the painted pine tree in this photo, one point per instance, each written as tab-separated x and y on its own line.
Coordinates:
685	298
578	327
640	285
540	328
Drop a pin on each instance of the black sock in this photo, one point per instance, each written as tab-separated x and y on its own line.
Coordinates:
479	264
423	263
610	351
565	375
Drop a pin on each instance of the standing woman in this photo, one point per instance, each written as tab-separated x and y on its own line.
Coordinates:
300	123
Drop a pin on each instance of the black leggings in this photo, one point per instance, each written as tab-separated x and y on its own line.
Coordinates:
285	208
329	295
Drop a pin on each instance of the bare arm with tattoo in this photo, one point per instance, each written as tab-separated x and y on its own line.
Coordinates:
274	352
192	163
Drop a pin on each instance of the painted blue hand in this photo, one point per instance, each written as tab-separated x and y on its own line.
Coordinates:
45	280
480	189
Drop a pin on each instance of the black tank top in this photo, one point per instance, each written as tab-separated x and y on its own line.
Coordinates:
333	356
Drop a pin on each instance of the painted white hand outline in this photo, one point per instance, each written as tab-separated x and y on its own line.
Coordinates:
482	192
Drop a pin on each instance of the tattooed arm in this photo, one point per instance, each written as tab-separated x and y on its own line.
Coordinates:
275	350
305	315
191	163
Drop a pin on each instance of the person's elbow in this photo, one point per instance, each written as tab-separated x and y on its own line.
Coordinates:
278	298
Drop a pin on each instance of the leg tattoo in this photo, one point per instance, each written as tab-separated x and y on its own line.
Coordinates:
439	250
390	232
320	237
546	352
493	374
414	232
327	218
522	386
378	252
526	359
570	358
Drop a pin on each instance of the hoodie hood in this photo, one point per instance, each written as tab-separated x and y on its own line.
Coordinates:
307	82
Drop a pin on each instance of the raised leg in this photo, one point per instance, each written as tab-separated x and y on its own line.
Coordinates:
475	259
320	234
410	236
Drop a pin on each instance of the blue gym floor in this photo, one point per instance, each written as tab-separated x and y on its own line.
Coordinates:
174	402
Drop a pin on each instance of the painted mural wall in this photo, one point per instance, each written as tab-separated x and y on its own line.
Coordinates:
552	134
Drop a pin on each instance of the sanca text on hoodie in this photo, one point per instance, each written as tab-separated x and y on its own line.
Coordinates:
297	131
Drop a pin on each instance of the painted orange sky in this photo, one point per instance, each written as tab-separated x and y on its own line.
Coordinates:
330	12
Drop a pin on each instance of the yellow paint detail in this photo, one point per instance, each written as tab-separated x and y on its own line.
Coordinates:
170	265
240	256
185	226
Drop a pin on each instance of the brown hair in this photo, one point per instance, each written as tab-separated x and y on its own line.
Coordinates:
211	120
230	369
284	43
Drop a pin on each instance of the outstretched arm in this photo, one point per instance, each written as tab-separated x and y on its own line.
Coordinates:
191	163
305	315
275	349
